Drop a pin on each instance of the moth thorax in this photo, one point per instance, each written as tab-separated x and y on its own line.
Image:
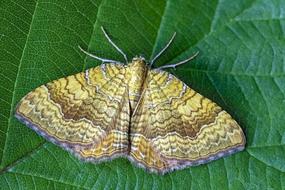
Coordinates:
137	72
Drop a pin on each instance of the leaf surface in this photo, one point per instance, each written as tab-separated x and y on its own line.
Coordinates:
240	66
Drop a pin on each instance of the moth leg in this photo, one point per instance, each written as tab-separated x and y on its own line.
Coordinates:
179	63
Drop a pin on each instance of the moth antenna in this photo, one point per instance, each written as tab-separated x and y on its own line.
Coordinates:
179	63
114	45
98	58
163	50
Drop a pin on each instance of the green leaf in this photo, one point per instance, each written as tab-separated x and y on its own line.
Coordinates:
240	66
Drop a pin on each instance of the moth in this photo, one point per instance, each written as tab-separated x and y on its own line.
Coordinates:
132	110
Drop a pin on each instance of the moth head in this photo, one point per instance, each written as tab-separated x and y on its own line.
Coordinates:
138	61
138	58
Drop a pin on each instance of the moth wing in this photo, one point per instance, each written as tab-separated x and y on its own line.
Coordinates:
175	127
86	113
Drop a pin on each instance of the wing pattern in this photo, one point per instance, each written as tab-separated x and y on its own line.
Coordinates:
87	113
175	127
149	116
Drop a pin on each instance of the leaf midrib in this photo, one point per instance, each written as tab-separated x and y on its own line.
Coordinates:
159	29
16	84
92	33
